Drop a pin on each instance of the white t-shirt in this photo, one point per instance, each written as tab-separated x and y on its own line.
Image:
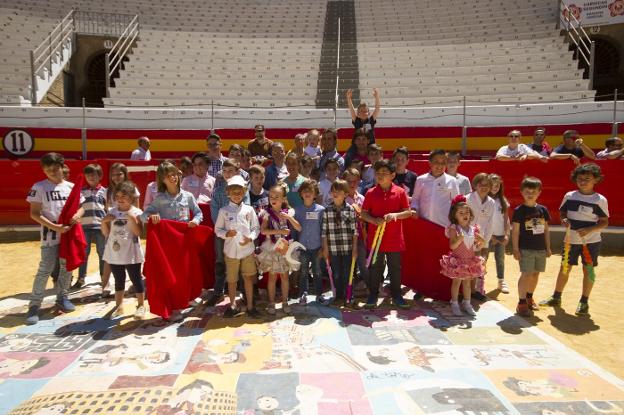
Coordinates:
325	192
583	211
521	150
483	214
122	246
432	197
312	151
498	221
140	154
52	197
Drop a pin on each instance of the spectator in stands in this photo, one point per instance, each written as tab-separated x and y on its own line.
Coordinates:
142	152
613	150
540	145
277	170
573	148
260	147
329	140
300	144
515	150
453	162
363	121
362	118
213	143
236	152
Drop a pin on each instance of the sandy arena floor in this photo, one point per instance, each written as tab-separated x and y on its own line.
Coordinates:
598	338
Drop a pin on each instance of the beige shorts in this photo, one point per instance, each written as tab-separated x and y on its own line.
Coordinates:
246	266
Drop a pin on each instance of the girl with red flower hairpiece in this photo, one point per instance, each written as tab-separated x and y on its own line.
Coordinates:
462	264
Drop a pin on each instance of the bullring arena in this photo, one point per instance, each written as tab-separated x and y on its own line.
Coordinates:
86	79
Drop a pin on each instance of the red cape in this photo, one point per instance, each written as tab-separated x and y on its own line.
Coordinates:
425	244
73	243
179	262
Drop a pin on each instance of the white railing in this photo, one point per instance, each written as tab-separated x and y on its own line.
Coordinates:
585	47
115	56
336	97
43	55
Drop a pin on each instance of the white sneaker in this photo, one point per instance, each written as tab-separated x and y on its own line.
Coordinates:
271	309
502	286
468	308
455	309
139	314
197	301
303	300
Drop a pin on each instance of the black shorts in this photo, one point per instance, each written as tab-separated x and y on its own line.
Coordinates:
576	251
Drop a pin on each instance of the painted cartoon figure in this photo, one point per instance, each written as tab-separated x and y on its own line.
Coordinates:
185	400
557	386
15	367
115	355
420	357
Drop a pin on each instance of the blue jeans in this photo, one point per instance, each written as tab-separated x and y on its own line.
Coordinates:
219	283
499	255
309	258
341	267
93	235
49	257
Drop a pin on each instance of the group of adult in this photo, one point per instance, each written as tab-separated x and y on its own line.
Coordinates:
573	147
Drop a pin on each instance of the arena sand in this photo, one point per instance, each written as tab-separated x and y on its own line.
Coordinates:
599	338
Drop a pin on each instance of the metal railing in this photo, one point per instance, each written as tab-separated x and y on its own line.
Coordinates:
585	47
105	24
43	55
337	78
124	26
115	56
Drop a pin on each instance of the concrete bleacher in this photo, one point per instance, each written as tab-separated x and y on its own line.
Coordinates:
20	31
484	50
268	54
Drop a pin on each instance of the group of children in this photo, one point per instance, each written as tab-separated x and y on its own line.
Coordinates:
344	216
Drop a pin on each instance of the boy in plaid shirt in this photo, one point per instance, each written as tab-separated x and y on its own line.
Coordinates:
339	234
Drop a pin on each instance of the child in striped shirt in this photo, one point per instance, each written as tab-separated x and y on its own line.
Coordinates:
94	206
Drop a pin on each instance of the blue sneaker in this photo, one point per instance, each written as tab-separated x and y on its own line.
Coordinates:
32	317
65	305
371	302
400	302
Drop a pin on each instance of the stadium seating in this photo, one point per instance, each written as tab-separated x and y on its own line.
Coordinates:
268	54
484	50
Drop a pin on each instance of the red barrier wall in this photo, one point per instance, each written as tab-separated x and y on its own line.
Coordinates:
554	175
14	210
